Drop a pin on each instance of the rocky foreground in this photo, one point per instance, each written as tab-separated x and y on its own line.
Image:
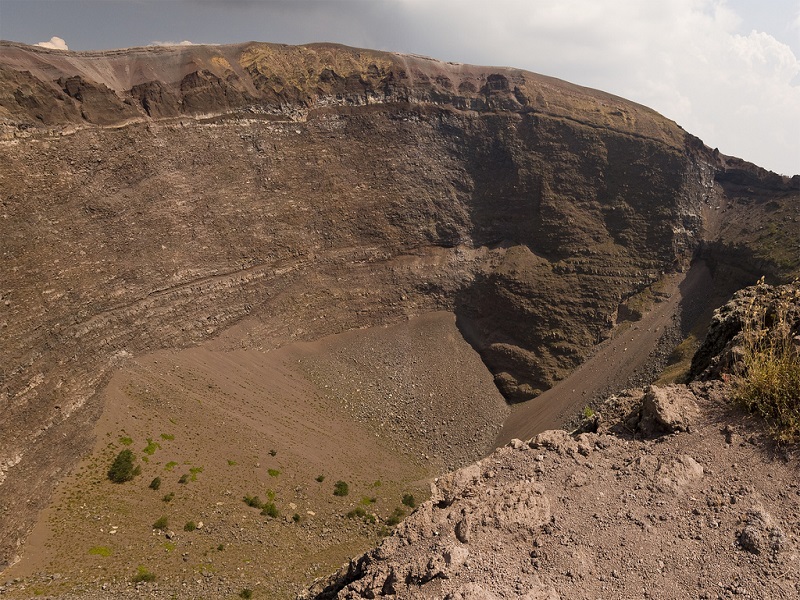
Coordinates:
707	510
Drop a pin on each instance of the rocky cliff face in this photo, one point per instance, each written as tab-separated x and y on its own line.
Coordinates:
153	197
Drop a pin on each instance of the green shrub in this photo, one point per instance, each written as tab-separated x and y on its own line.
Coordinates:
408	500
367	500
122	468
167	436
396	517
768	381
161	523
252	501
273	472
184	478
155	484
100	551
270	510
168	497
143	574
125	441
296	517
194	471
273	452
151	447
358	511
340	488
170	465
221	547
246	594
190	526
320	478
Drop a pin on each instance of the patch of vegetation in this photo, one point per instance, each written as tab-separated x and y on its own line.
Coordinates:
184	478
409	501
151	447
221	547
395	518
125	440
273	472
231	463
169	546
122	468
377	484
340	488
270	510
252	501
170	465
320	478
168	497
588	412
768	382
296	517
161	523
273	452
358	511
367	500
190	526
143	574
100	551
155	484
246	594
167	436
194	471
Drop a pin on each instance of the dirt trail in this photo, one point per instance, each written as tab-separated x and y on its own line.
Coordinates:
615	362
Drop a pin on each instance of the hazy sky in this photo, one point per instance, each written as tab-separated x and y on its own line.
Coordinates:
726	70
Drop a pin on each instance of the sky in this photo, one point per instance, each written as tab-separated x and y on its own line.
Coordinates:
727	71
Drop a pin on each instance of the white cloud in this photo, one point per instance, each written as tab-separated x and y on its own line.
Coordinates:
183	43
55	43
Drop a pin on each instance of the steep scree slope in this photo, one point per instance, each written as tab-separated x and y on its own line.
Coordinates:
153	197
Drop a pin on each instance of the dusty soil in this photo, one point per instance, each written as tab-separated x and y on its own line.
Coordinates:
383	409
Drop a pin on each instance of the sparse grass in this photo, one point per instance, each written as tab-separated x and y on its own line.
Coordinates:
409	501
340	488
169	546
168	497
122	468
768	382
170	465
194	471
221	547
231	463
100	551
167	436
151	447
252	501
358	511
143	574
273	472
246	594
184	478
161	523
190	526
155	484
125	440
367	500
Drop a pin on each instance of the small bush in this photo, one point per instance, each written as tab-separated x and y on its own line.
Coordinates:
358	511
221	547
340	488
167	436
155	484
122	468
252	501
151	447
168	497
320	478
125	441
270	510
194	471
273	472
231	463
396	517
408	500
190	526
143	574
184	478
246	594
296	517
273	452
170	465
588	412
367	500
162	523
